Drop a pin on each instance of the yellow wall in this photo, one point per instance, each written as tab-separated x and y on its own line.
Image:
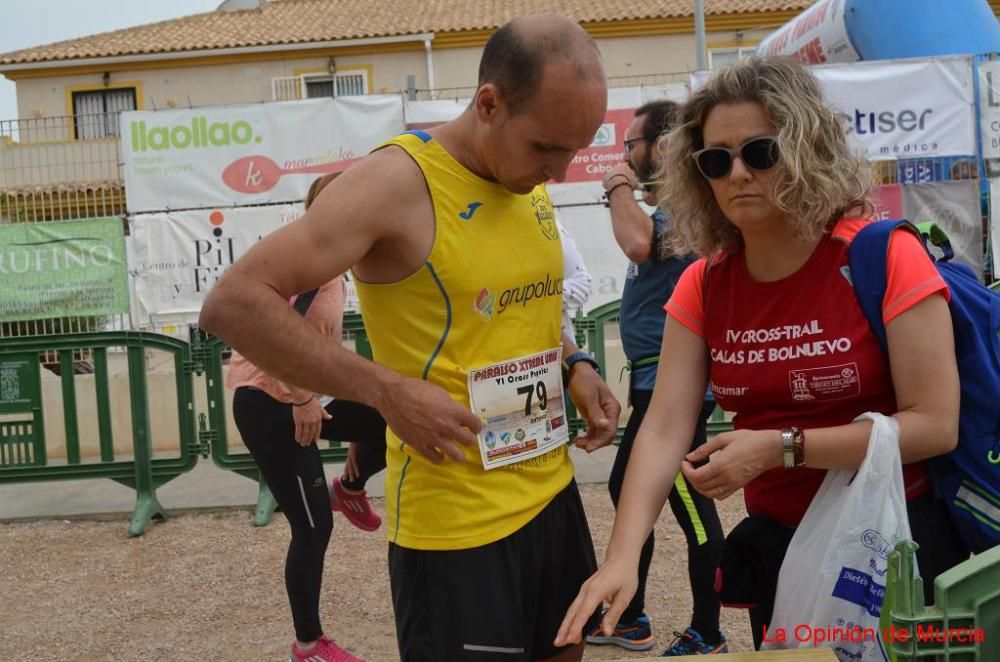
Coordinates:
241	82
247	79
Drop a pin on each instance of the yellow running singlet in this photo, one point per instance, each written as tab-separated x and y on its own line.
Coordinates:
491	289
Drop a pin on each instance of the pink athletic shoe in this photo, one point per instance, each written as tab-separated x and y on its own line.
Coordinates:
325	650
355	507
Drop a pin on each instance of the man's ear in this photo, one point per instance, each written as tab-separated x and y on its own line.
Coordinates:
488	103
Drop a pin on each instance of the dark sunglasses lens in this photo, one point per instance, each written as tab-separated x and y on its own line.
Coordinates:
760	154
714	163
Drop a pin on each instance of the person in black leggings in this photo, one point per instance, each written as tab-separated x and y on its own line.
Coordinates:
280	425
295	475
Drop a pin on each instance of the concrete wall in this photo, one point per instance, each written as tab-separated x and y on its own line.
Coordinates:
248	82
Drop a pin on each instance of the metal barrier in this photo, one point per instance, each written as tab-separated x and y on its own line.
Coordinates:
23	454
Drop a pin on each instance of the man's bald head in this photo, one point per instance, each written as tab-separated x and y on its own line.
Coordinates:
515	57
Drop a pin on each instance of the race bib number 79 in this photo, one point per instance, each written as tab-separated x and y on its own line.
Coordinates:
520	402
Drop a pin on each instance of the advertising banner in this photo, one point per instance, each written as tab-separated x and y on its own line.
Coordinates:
995	224
590	227
989	108
815	36
178	256
901	109
225	156
63	269
907	108
954	206
428	114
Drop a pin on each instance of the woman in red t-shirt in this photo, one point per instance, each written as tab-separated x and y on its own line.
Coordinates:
760	177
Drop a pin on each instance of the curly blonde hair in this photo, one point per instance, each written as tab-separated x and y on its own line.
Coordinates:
817	179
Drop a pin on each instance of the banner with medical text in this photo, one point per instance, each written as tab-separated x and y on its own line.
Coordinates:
903	108
178	256
226	156
63	269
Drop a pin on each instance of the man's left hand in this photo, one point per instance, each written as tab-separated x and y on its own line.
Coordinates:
598	406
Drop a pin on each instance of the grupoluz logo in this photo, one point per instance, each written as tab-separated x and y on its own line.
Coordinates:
484	303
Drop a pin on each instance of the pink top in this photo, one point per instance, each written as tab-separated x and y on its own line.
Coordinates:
326	314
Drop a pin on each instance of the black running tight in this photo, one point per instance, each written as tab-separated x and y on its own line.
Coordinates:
298	483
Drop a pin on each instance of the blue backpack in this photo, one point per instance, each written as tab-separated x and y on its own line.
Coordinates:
968	478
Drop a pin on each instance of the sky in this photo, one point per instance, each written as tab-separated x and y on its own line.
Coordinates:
27	24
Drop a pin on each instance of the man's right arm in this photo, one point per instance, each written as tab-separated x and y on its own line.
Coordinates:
632	227
248	308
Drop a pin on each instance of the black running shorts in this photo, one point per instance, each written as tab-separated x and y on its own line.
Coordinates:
502	602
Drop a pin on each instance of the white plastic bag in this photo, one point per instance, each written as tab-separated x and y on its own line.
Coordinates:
832	581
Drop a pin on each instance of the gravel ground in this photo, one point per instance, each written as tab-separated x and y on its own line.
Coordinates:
208	586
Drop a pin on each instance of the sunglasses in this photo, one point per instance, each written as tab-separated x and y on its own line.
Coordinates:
756	154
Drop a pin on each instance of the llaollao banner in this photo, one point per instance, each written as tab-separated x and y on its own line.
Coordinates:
226	156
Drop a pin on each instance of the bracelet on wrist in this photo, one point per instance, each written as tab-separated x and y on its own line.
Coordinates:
609	191
792	447
799	447
303	403
608	183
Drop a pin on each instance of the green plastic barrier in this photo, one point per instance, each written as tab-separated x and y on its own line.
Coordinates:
23	456
208	353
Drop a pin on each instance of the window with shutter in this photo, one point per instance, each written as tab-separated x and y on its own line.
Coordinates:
95	112
723	57
340	84
319	86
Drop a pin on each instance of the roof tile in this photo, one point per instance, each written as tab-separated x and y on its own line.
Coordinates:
304	21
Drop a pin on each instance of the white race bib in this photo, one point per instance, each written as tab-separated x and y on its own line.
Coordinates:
520	402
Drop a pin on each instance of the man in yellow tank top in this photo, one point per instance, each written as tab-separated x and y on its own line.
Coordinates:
458	265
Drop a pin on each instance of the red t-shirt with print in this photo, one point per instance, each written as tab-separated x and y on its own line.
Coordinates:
799	351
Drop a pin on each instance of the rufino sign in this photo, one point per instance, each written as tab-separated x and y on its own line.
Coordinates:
65	269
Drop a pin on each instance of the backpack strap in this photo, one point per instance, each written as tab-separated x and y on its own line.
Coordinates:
867	258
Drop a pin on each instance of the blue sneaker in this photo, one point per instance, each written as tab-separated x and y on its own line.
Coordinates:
690	642
636	635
